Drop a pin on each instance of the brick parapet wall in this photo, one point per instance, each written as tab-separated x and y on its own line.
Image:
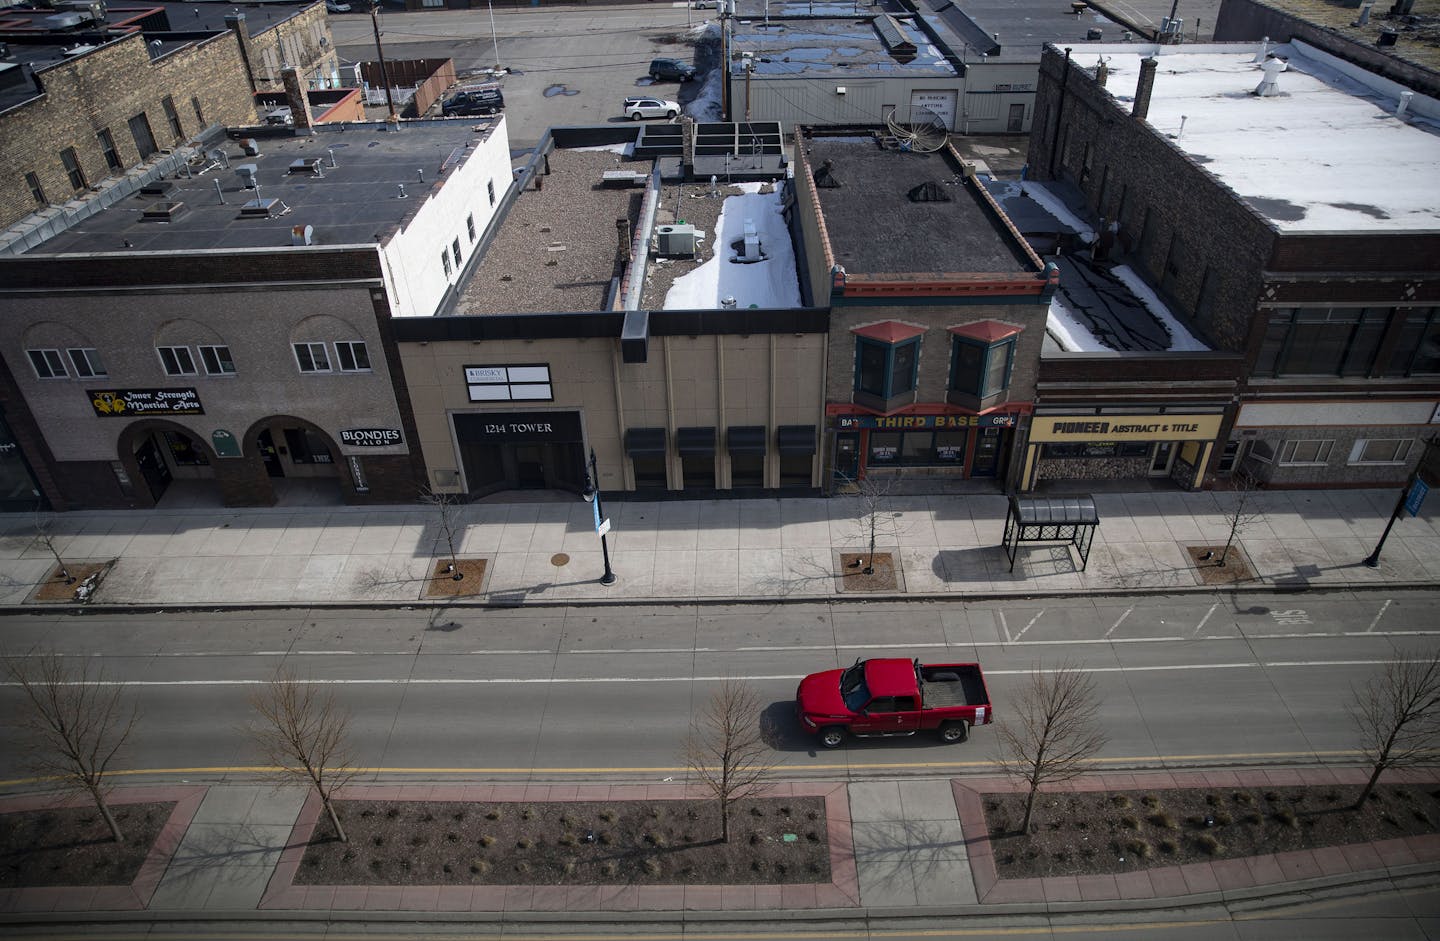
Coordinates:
105	89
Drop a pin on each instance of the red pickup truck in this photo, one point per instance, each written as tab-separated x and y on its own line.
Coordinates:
891	697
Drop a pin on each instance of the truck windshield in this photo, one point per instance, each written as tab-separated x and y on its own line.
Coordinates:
852	688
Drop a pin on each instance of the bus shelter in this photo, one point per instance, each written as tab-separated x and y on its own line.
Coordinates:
1052	520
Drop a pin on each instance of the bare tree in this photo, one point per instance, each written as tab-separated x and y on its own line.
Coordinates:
726	748
445	504
872	516
76	724
1241	514
304	737
47	539
1054	732
1398	715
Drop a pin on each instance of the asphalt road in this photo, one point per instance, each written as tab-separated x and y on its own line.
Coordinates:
570	65
559	694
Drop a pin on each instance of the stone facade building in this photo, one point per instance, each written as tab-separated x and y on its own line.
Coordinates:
1318	278
232	323
84	105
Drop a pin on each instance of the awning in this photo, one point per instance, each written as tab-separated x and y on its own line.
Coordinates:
1039	511
699	441
745	439
644	441
797	439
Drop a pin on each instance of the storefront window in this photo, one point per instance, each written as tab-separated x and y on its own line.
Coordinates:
917	448
306	447
183	450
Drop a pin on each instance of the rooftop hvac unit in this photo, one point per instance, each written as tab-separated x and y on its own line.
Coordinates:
676	239
246	172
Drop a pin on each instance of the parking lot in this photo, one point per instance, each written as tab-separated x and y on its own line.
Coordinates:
565	65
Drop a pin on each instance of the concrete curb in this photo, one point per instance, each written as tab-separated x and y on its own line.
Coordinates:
1417	875
766	601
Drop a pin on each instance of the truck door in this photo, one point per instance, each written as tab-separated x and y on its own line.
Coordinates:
888	715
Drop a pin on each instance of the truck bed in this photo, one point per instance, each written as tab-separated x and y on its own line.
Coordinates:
952	685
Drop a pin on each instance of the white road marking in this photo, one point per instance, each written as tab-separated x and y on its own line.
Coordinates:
1030	625
1378	616
575	680
1003	626
1120	620
1201	625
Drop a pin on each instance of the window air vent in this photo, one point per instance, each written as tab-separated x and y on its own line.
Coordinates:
311	165
266	208
157	188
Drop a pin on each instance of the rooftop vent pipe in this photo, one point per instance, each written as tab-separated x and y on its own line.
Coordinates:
1270	84
1365	9
1264	51
1404	104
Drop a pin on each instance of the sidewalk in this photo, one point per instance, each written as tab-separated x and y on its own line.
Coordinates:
688	551
909	847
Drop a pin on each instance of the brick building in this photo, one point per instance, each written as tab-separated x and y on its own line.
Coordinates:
937	313
83	103
1283	203
231	323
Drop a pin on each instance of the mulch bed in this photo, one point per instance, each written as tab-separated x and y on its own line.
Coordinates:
853	576
663	842
73	847
56	588
443	584
1236	567
1124	831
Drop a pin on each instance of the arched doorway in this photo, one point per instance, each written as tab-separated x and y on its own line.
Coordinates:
155	454
301	462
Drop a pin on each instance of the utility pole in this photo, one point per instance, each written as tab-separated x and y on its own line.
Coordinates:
494	38
380	53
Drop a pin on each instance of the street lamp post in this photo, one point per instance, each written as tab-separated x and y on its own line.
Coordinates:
494	38
380	54
592	495
1424	466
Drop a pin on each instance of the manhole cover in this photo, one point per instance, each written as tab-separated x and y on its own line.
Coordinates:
559	559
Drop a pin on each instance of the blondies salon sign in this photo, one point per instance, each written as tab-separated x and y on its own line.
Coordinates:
122	403
371	437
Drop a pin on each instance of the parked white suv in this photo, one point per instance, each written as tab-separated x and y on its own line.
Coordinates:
637	108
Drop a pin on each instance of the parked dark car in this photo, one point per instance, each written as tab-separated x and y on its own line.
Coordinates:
671	68
467	102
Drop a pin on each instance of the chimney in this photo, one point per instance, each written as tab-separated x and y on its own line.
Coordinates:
1144	87
235	22
297	99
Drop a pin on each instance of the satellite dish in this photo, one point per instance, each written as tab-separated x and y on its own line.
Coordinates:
925	133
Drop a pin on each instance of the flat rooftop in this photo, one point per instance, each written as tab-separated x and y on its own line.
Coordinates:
355	202
1020	28
557	247
876	228
194	16
845	47
1325	154
1419	32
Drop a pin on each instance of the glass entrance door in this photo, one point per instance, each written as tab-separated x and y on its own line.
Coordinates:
987	453
1163	459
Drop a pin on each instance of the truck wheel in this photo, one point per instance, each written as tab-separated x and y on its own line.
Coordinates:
832	737
952	733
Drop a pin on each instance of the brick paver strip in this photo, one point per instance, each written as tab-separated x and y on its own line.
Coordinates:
108	898
1093	888
1235	873
1061	888
1193	878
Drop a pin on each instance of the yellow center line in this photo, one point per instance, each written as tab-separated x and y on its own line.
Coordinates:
1139	764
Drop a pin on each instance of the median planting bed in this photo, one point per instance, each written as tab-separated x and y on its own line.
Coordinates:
772	841
1111	832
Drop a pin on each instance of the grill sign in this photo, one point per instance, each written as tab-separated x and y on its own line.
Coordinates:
371	437
123	402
